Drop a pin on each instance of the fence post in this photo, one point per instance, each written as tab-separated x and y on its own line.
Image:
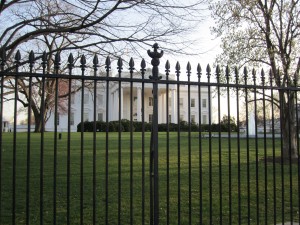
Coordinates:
155	55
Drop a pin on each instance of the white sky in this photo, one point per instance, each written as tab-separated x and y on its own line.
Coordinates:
208	45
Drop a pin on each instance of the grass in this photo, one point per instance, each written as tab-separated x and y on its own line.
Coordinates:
237	187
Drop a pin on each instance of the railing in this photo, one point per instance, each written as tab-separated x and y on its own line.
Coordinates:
188	149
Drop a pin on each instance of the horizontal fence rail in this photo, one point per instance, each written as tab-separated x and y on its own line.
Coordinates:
88	144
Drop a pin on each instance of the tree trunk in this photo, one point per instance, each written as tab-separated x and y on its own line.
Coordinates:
38	123
289	126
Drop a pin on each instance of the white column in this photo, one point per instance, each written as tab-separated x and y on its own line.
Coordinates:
139	104
173	107
109	107
251	123
162	113
116	111
111	110
122	97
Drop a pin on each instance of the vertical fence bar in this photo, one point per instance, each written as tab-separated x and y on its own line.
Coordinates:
273	147
281	97
3	59
17	63
291	123
297	132
120	67
199	73
83	62
95	66
56	67
167	70
238	142
131	69
218	71
178	146
297	144
247	143
229	145
208	73
265	145
256	145
42	144
143	69
70	67
31	63
107	66
155	55
188	68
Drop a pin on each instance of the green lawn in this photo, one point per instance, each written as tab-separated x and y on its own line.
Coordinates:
213	194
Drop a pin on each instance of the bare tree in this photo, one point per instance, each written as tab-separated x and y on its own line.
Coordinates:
265	33
94	26
98	25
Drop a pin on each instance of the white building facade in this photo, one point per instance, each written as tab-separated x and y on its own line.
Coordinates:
142	102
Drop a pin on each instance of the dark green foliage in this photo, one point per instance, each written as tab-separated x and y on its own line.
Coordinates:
113	126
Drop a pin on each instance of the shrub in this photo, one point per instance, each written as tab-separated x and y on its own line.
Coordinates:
113	126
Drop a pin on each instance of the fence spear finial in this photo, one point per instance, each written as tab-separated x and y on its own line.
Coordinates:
131	65
199	71
143	64
208	70
57	61
120	64
236	72
18	56
254	75
95	61
31	57
262	76
167	66
143	67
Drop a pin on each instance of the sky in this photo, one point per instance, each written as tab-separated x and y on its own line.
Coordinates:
208	45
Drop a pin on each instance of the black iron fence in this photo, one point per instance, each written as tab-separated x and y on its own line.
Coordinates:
143	147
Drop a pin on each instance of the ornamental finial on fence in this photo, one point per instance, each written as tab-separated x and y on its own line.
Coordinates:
199	71
155	55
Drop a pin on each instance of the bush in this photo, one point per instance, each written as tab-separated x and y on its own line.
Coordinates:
113	126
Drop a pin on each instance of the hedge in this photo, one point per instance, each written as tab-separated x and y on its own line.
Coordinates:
113	126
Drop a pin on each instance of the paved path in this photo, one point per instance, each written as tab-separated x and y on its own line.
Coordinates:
289	223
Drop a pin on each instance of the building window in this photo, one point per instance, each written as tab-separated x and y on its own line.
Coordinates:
181	102
100	100
192	102
72	118
150	101
193	118
100	116
86	117
170	118
86	98
204	119
204	103
150	118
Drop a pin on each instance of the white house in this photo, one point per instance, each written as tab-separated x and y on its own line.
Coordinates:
113	103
